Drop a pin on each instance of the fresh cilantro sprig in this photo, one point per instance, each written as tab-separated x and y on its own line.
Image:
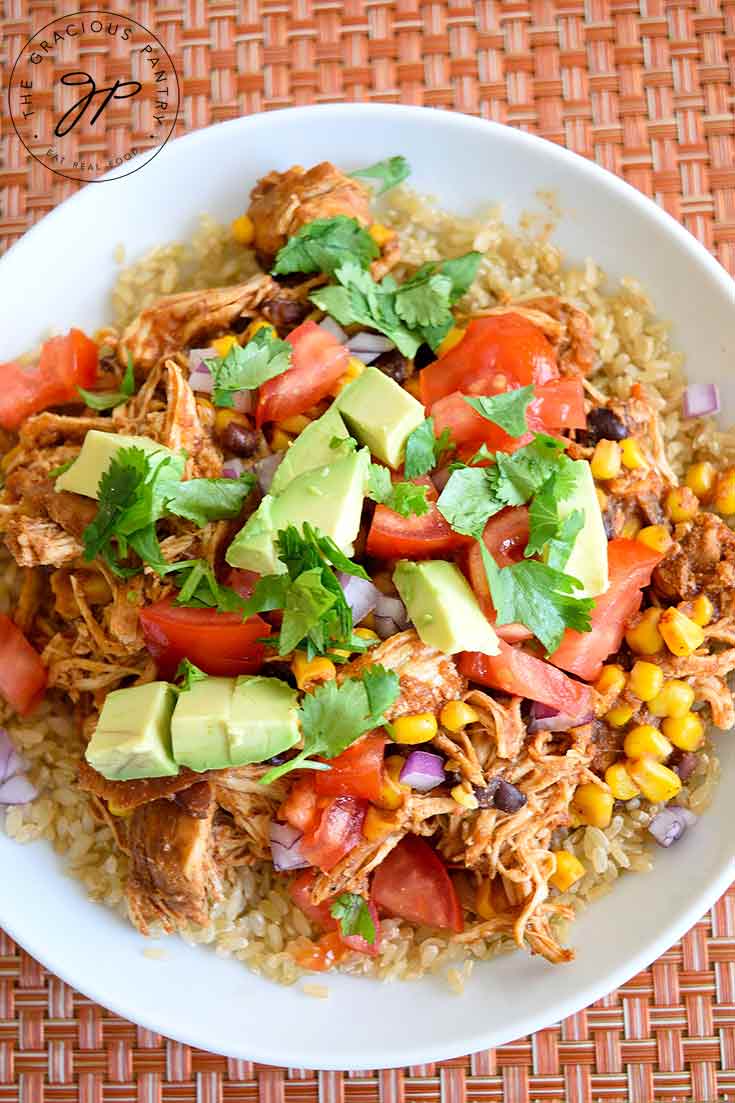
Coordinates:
353	915
423	448
97	400
204	500
199	589
187	674
408	499
324	244
336	714
508	410
390	172
245	367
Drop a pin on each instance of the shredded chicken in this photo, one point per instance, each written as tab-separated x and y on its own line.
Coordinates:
251	805
182	428
716	692
126	796
35	542
702	561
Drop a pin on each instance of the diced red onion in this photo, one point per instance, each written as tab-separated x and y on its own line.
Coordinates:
369	342
17	790
393	608
385	627
285	849
201	381
244	401
686	765
233	468
265	470
334	328
440	478
670	824
361	595
701	399
544	718
422	770
198	358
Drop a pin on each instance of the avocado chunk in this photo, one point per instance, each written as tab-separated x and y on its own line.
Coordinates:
380	413
132	738
329	498
264	719
98	451
200	725
443	608
312	448
588	559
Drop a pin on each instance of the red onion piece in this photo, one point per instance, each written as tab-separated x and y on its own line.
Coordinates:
670	824
369	342
285	849
334	328
17	790
423	771
393	608
686	765
265	470
244	401
385	627
543	718
198	358
233	468
201	381
701	399
360	593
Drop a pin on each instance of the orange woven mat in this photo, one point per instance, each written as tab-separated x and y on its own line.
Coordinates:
646	89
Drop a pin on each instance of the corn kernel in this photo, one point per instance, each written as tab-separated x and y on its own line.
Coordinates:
606	460
222	345
612	678
593	805
484	899
656	537
619	716
256	325
117	810
646	680
631	454
675	699
378	824
295	424
681	634
368	622
381	234
656	782
724	499
225	415
452	339
367	634
242	230
701	479
457	715
354	368
413	386
280	441
465	798
568	870
621	783
681	504
702	610
602	498
631	528
685	732
644	638
420	728
645	740
309	671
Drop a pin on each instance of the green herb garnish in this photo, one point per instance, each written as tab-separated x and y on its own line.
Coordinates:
189	674
97	400
507	410
353	915
423	448
245	367
390	172
408	499
324	244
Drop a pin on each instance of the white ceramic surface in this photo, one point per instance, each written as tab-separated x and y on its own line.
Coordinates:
59	274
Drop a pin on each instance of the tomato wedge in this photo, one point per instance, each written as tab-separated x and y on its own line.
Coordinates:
392	536
23	676
321	914
523	675
496	353
412	883
317	362
505	536
338	831
630	565
558	405
218	643
357	772
65	363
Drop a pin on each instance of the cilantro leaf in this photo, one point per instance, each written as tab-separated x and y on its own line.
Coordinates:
306	603
56	471
322	245
468	500
518	476
560	546
390	172
119	491
423	448
362	301
199	588
246	367
189	674
508	410
405	498
204	500
97	400
353	915
461	271
382	687
482	455
424	303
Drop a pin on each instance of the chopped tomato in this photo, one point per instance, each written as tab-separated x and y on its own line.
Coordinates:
218	643
242	582
317	362
558	405
338	831
465	425
505	536
523	675
495	354
321	914
630	565
357	772
65	363
392	536
322	955
301	809
22	674
412	883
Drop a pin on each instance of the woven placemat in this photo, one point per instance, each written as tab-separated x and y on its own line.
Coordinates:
646	89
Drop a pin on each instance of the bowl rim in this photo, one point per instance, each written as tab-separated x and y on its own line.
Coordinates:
416	1054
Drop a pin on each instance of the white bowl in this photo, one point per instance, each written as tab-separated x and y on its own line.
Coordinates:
59	274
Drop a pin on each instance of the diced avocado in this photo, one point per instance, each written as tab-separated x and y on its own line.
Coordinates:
330	498
443	608
200	725
380	413
588	560
312	448
263	721
132	738
98	450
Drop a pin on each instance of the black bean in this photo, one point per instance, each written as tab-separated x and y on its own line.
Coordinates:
508	798
602	424
486	796
393	364
285	314
424	356
240	440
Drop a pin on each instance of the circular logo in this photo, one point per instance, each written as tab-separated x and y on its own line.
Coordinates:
89	92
